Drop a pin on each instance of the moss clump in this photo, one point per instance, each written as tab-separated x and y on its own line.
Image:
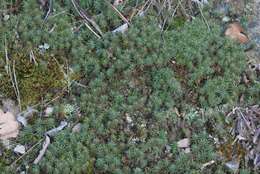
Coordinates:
36	81
143	76
211	66
155	79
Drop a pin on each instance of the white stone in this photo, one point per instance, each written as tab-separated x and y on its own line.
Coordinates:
225	19
6	17
121	29
76	128
48	111
184	143
19	149
129	120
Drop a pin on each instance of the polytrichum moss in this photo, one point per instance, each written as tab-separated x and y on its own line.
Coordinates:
36	80
139	93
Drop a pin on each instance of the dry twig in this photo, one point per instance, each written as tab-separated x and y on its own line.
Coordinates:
43	150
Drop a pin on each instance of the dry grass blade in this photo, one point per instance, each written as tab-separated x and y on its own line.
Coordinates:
27	152
12	76
172	15
16	86
87	20
204	18
145	7
118	12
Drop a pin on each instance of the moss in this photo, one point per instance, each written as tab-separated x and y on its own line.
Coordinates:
157	79
36	81
177	23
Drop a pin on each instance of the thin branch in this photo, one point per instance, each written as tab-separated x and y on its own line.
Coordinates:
43	150
49	10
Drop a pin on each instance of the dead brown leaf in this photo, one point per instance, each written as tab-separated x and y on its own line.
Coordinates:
236	32
246	135
9	127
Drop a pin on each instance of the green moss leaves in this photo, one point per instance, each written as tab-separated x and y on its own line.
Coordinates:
213	65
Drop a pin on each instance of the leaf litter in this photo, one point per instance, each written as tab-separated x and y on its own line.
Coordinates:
246	133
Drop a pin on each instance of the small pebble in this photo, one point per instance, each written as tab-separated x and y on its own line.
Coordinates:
184	143
48	111
76	128
225	19
6	17
187	150
19	149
